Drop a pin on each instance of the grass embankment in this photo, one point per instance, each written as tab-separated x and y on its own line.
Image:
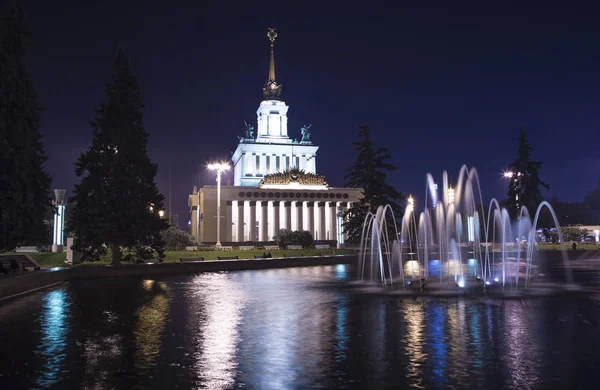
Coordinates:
48	260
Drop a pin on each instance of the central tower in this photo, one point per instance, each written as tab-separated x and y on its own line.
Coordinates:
271	150
272	112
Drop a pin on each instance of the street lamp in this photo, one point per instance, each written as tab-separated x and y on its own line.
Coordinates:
411	204
516	177
220	168
161	213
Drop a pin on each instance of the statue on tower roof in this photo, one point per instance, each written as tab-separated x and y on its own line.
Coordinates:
305	134
272	90
248	130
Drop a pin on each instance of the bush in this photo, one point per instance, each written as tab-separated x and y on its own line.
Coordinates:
300	237
176	239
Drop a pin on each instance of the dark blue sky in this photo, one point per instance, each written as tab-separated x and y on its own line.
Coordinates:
440	86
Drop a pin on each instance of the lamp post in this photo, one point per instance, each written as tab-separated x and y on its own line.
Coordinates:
219	168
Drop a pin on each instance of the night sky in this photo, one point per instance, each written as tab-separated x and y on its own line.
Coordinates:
440	86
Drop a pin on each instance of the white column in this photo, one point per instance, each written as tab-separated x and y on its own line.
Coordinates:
273	163
287	210
252	164
240	221
321	221
228	222
348	205
332	220
298	209
274	219
264	221
263	165
282	162
340	228
248	163
252	222
284	130
310	217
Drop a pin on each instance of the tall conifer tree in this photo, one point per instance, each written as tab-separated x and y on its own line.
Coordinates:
24	184
117	201
369	172
525	183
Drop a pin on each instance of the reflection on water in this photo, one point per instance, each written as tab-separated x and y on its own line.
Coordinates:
415	342
149	324
216	333
54	331
305	328
436	339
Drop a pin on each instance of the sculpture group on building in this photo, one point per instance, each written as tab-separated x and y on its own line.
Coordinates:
294	175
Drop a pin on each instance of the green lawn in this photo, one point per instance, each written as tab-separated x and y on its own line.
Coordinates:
213	255
586	246
48	260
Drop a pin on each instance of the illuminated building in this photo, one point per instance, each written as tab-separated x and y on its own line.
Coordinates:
275	185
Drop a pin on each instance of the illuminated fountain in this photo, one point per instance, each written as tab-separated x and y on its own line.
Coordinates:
454	242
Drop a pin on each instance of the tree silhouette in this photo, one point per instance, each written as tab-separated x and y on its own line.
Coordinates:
369	172
117	201
525	184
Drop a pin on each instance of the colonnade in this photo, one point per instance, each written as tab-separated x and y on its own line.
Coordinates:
261	220
254	164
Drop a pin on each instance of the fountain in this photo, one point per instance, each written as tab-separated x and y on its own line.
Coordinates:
453	243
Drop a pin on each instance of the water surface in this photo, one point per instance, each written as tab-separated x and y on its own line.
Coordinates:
296	328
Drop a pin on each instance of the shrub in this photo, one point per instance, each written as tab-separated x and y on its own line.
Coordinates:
176	239
300	237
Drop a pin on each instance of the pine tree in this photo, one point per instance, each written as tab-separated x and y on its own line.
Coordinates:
524	188
24	184
369	172
117	201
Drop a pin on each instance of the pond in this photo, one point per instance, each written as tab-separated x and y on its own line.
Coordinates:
295	328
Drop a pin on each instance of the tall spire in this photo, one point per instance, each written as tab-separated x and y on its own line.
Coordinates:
272	35
272	91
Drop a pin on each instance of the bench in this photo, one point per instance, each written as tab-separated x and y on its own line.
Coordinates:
22	261
300	255
227	257
268	256
26	249
246	248
191	259
294	246
321	246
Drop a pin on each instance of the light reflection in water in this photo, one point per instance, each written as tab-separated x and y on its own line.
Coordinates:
457	332
54	329
521	354
150	323
217	335
414	342
437	342
341	334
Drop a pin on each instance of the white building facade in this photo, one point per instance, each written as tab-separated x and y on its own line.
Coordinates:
275	186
